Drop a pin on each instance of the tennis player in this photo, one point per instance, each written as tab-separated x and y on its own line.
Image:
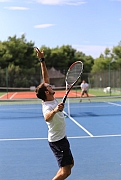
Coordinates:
54	117
84	89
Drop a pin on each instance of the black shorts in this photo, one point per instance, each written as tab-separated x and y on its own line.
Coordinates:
84	92
62	152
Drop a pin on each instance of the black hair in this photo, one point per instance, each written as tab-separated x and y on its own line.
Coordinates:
40	91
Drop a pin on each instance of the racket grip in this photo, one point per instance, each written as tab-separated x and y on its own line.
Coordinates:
63	101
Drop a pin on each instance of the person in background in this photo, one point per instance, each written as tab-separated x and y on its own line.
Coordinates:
54	117
84	89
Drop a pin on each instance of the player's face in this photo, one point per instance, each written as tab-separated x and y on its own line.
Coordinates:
49	88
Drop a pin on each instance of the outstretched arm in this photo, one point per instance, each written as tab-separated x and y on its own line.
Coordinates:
40	55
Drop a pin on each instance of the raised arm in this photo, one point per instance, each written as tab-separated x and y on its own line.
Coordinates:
40	55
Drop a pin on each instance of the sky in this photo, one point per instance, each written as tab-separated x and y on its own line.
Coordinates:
89	26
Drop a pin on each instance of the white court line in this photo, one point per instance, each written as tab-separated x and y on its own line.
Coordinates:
114	104
73	137
13	95
79	124
23	139
101	136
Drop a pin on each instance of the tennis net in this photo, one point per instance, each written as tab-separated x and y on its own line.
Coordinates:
104	105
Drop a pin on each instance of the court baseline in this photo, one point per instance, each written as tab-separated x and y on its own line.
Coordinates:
73	137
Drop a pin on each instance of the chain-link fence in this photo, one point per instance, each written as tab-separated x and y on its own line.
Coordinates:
96	80
105	79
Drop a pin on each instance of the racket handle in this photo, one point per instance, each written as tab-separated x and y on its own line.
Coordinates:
64	99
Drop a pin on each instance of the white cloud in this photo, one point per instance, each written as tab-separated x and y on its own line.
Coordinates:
16	8
116	0
43	25
91	50
61	2
4	1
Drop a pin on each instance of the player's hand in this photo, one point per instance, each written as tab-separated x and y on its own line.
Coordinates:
40	54
59	107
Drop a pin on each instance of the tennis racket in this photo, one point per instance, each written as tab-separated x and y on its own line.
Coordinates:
72	76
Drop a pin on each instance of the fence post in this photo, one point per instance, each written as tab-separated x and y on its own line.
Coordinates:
7	81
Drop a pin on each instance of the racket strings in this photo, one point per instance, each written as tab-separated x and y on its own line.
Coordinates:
73	73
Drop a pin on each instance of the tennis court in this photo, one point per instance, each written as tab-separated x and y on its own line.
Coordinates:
93	129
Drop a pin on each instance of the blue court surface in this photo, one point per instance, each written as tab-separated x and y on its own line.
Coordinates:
93	130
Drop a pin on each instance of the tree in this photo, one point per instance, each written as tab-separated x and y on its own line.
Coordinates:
17	51
19	57
107	52
61	58
117	51
100	64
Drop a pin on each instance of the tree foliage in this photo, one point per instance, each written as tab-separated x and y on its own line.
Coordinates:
110	58
19	57
19	52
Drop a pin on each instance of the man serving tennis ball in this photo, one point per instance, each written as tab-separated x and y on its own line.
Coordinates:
54	117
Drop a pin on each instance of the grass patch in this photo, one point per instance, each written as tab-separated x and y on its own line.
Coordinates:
100	92
1	93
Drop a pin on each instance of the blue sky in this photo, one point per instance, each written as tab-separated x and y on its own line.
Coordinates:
89	26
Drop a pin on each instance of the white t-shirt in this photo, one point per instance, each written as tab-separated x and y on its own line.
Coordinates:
57	126
84	86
